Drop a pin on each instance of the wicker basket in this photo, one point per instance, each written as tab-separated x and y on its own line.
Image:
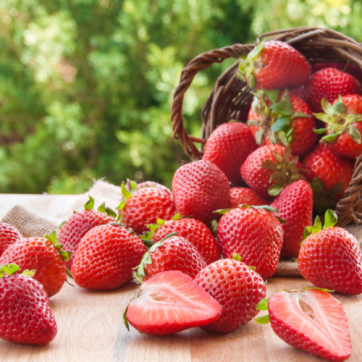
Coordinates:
228	101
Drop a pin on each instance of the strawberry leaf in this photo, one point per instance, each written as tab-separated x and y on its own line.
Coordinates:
237	257
28	273
126	194
327	107
330	219
222	211
90	204
283	138
263	304
280	123
263	320
330	137
283	108
272	95
355	134
320	131
339	107
276	189
102	208
61	225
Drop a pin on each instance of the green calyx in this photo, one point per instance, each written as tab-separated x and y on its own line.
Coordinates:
9	269
127	191
237	257
338	121
285	171
53	239
263	305
102	208
330	219
159	222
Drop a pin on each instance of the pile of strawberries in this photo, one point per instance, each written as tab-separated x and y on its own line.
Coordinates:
202	252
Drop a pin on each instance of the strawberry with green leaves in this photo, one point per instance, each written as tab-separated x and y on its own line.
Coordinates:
8	235
331	257
243	195
45	255
311	320
25	315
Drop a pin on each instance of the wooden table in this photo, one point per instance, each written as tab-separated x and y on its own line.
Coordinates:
90	328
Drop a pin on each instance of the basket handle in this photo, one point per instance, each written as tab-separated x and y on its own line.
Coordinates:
200	62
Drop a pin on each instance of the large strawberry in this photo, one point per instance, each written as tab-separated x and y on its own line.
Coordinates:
237	288
25	315
199	188
45	255
311	320
243	195
8	235
72	232
343	124
331	258
228	146
329	83
274	65
282	118
295	206
170	302
253	233
106	256
269	169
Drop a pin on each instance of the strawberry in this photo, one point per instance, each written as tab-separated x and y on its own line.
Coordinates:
45	255
311	320
197	233
274	65
269	169
72	232
295	206
25	315
329	83
154	184
106	256
8	235
282	118
253	233
343	124
331	258
199	188
144	206
228	146
243	195
237	288
170	302
170	253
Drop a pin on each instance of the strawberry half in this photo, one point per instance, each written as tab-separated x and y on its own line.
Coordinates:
170	302
311	320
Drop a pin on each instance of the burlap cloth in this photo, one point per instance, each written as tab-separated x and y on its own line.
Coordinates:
31	221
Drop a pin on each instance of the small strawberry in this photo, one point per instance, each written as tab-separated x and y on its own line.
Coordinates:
237	288
311	320
154	184
331	258
170	302
343	124
253	233
243	195
45	255
170	253
269	169
106	256
25	315
329	83
228	146
274	65
8	235
72	232
199	188
295	206
282	118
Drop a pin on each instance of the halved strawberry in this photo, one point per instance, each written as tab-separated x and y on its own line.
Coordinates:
311	320
170	302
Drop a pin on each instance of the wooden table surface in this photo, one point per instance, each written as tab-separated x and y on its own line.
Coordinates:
90	328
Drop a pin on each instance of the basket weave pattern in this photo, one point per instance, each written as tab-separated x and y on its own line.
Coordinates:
230	96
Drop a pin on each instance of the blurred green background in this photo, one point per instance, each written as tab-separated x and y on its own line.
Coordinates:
85	85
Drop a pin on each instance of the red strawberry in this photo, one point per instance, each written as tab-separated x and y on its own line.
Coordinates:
311	320
329	83
243	195
237	288
25	315
274	65
282	118
295	206
197	233
170	253
228	146
199	188
331	258
170	302
254	234
106	256
72	232
154	184
45	255
269	169
8	235
343	124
